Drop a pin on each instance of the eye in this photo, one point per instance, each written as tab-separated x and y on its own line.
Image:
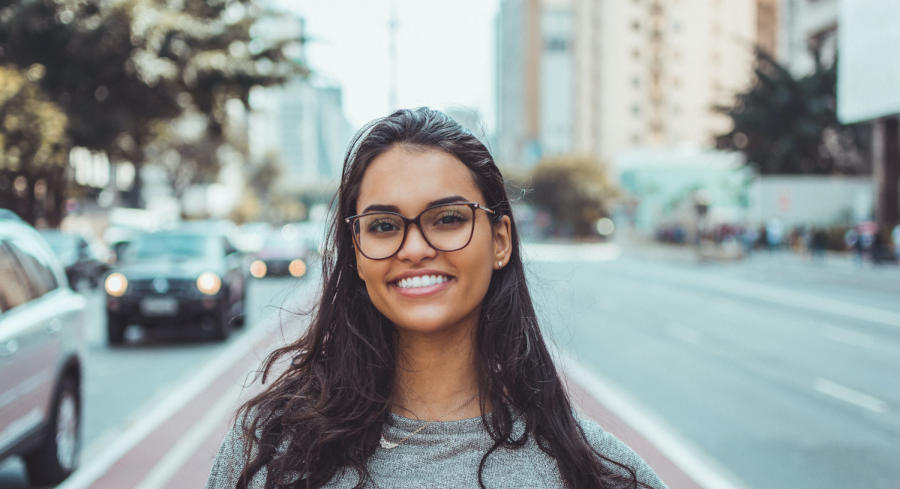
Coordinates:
382	226
449	218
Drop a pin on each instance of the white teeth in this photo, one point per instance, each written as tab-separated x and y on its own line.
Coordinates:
422	281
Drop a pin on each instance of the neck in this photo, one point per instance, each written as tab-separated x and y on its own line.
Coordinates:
436	376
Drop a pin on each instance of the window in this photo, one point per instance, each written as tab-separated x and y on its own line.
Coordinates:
37	273
14	290
556	44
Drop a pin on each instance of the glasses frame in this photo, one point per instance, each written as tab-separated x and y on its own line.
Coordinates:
352	220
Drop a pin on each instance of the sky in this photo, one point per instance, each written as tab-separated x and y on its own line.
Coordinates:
445	53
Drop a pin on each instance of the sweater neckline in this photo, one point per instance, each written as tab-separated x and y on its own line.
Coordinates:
402	425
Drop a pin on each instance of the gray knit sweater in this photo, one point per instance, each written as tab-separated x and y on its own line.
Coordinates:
445	455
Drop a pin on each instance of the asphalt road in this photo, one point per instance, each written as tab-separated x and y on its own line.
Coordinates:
781	370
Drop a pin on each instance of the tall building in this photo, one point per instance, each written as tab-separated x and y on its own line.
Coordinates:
516	79
649	73
806	27
535	79
301	122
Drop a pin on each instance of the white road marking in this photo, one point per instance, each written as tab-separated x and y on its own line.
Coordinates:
683	333
188	444
848	337
684	454
786	297
591	252
123	443
849	395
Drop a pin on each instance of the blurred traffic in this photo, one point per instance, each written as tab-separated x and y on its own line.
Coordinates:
41	356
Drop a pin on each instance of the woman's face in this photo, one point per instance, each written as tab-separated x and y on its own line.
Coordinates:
407	180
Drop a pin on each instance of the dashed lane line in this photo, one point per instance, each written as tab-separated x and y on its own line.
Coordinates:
848	337
851	396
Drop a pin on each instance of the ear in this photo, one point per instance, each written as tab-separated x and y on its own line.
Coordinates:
502	242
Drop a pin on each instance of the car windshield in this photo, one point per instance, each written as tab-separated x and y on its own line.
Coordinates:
65	246
61	243
175	245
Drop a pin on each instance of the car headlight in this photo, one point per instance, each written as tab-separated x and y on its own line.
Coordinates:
116	284
258	268
209	283
297	268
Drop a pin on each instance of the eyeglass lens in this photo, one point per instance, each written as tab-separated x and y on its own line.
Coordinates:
445	227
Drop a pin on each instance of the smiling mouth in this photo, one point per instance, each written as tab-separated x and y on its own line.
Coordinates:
421	281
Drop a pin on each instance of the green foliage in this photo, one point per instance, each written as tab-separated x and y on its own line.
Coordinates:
575	190
32	129
117	69
788	125
33	146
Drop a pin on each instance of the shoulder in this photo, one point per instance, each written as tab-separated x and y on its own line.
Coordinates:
230	459
612	448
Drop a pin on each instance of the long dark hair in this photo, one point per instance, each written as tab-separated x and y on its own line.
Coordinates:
325	412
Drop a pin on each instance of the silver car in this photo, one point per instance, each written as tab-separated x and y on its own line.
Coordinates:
41	324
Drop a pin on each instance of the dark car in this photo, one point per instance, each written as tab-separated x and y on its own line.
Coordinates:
41	342
81	263
176	278
280	256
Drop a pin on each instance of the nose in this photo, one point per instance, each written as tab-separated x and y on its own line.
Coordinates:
415	248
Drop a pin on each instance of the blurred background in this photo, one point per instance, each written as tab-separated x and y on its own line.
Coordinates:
707	190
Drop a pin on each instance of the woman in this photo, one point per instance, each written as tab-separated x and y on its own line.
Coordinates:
423	365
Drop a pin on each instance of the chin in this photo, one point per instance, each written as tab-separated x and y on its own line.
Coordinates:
427	322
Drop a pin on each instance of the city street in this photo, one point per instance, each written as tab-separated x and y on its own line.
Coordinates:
781	369
774	372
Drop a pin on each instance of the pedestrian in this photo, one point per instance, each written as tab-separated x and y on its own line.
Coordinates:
423	364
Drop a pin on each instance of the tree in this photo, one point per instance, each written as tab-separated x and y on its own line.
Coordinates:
575	190
33	147
117	69
788	125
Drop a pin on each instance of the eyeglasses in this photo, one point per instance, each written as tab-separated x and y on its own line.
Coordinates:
446	227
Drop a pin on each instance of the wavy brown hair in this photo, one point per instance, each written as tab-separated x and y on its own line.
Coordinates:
325	412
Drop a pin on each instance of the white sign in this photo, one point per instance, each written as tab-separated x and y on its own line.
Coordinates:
868	60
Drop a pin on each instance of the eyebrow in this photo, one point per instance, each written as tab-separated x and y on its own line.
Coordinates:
393	208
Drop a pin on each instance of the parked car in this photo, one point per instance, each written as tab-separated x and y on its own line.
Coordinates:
41	342
280	256
81	262
180	278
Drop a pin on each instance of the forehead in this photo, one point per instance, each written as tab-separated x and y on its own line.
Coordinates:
411	177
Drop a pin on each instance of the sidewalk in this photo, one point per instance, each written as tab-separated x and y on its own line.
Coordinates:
832	261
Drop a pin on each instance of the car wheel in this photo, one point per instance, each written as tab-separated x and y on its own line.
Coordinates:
240	317
115	330
222	327
57	456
